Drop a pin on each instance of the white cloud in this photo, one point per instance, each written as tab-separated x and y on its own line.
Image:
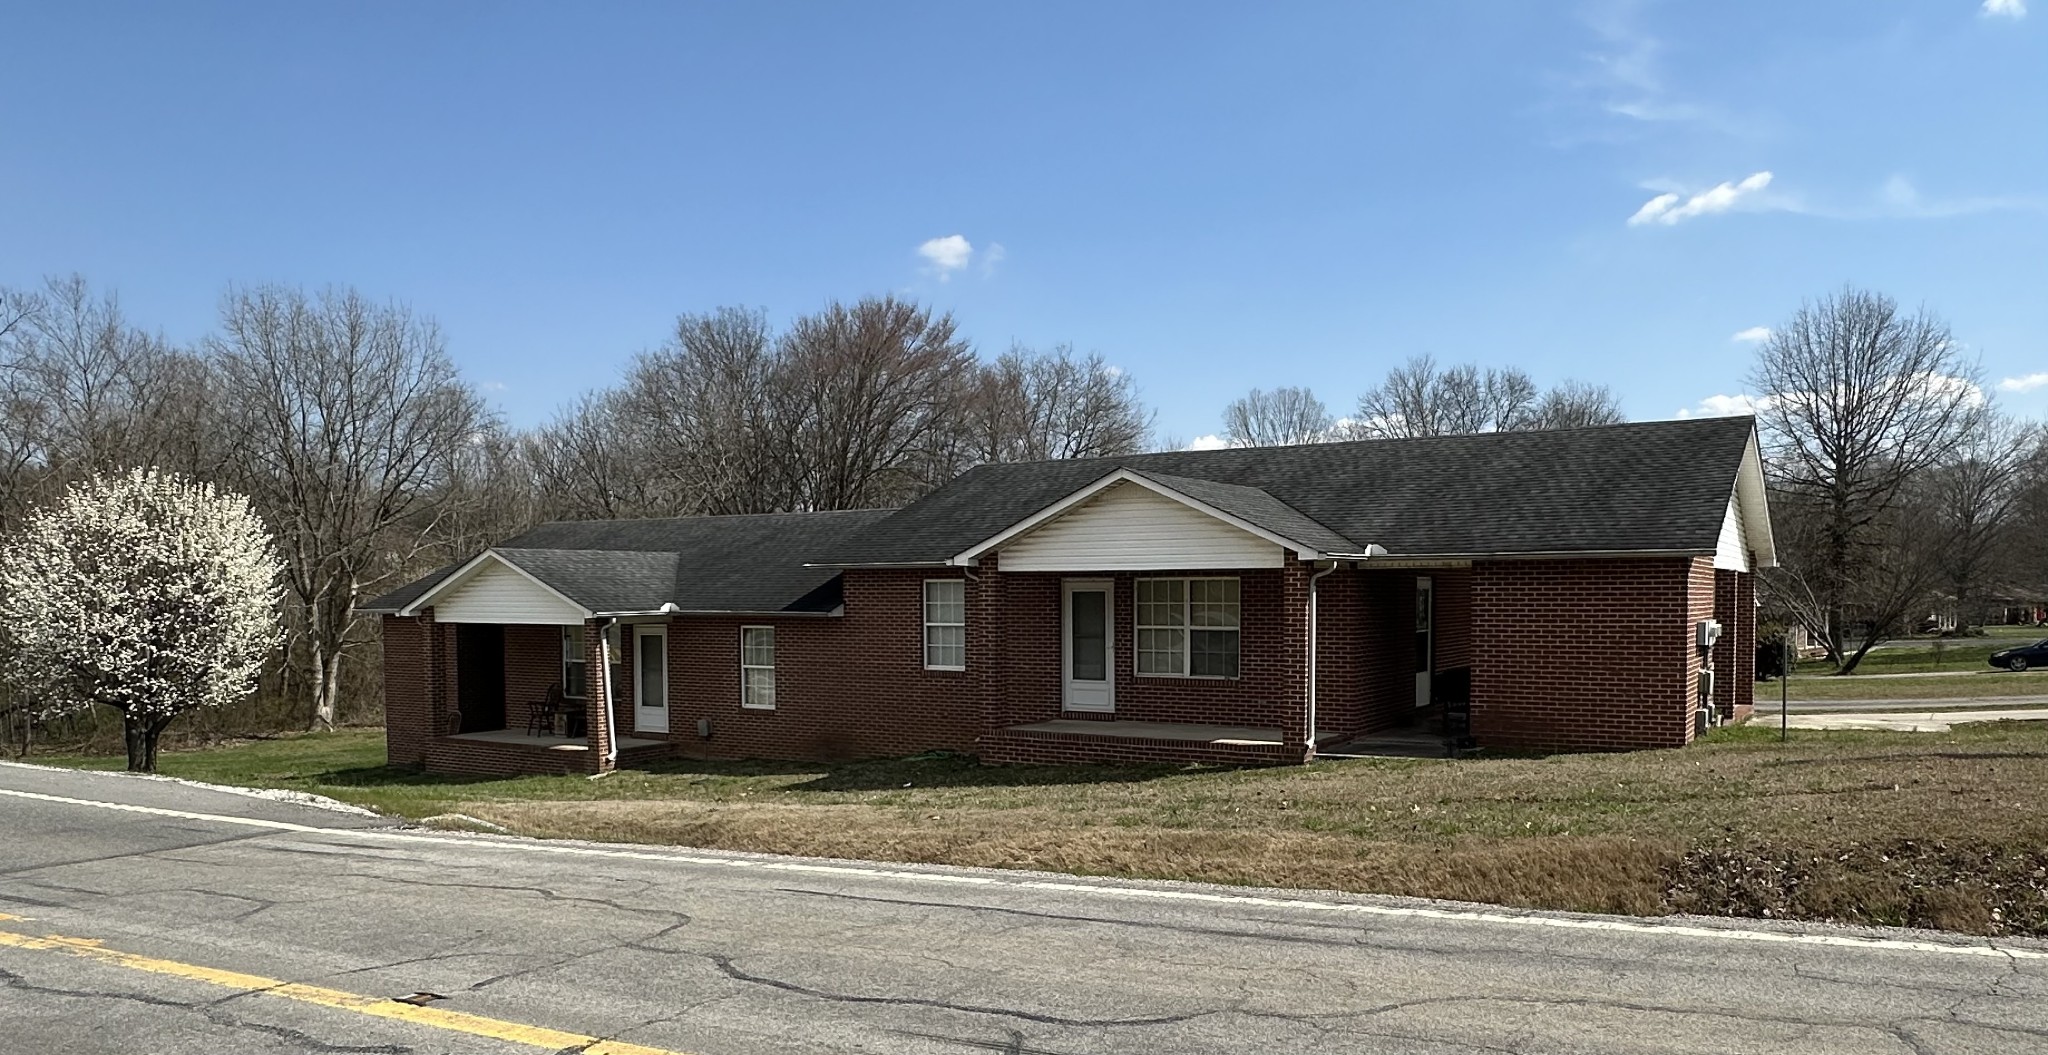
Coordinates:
1752	335
2005	8
1670	207
947	255
1719	406
2024	384
990	257
492	386
1208	443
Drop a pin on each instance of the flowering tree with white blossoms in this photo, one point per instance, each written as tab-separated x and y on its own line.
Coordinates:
145	592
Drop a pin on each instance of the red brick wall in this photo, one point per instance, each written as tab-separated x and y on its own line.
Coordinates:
1581	654
1341	662
1743	672
1726	684
1700	607
1268	691
848	687
407	687
533	663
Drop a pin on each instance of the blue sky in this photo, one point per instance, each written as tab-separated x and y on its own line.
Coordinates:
1214	197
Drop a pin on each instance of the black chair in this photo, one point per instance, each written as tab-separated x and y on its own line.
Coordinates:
540	718
1451	690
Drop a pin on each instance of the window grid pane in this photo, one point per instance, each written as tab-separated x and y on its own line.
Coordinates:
945	623
1187	627
575	680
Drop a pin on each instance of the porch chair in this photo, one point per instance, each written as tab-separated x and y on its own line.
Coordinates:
540	718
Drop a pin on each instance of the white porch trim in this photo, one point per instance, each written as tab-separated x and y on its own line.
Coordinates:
469	571
967	557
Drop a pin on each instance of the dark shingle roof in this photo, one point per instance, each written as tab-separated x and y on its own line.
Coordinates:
699	564
1647	486
1642	487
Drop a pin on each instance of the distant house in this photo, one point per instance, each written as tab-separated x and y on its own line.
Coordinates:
1251	605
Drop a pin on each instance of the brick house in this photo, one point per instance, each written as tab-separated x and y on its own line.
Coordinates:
1536	589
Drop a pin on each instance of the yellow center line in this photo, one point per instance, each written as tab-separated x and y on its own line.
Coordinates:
376	1007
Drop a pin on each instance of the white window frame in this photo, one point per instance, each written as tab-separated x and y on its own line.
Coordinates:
925	600
1186	627
577	655
748	670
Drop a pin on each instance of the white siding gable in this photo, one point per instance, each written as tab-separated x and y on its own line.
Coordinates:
1131	528
494	593
1732	551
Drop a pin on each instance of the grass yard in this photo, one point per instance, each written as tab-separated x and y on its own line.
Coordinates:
1942	830
1945	687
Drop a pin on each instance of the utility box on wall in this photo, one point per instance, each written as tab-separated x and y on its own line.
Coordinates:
1709	633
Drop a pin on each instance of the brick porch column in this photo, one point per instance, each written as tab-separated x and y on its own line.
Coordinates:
1293	710
1742	674
985	633
1727	689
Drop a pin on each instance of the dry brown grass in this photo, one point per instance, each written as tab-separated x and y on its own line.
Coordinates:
1886	828
1941	830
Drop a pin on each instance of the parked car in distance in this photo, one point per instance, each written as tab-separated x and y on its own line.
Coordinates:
2020	657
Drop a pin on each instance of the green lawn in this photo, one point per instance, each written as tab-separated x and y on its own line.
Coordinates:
1925	829
1955	686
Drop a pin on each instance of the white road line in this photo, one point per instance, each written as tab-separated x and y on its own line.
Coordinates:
1142	893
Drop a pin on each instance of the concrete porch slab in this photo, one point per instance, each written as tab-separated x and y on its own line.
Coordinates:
1194	734
546	743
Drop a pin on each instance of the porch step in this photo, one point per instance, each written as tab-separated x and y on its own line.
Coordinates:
1095	742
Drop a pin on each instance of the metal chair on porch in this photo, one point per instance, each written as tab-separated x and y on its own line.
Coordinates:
541	717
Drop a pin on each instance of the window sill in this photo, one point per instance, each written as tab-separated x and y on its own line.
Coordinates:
1190	677
757	706
946	670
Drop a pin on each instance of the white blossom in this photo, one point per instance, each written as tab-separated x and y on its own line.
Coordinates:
146	592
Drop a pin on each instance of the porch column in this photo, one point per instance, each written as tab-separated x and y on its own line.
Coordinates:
1294	633
597	695
985	644
1742	672
442	716
1728	690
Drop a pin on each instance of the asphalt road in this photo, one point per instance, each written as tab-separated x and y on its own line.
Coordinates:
209	922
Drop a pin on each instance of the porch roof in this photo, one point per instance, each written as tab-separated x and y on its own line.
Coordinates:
742	564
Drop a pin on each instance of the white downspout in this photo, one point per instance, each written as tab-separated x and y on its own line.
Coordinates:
1312	580
611	712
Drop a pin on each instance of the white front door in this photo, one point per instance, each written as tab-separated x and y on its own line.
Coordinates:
1425	634
1085	613
650	679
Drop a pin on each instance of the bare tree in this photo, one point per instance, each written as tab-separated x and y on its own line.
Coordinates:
1031	406
1575	405
702	411
583	468
350	414
1858	398
1280	417
865	392
1419	398
1972	497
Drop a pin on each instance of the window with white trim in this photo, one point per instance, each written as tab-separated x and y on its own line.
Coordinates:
575	665
1187	627
757	667
945	624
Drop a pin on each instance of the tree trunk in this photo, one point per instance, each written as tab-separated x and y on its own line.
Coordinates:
142	737
323	684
